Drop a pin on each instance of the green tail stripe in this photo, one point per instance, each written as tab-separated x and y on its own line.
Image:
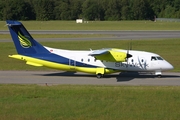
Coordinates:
24	41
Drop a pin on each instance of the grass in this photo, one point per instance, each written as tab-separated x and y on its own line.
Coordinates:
167	48
89	102
97	25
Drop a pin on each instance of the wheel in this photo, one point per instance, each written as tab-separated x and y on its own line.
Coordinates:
159	76
99	75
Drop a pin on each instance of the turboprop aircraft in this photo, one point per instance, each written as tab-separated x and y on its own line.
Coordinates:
99	62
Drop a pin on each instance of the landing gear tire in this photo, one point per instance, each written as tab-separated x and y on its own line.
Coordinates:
159	76
99	75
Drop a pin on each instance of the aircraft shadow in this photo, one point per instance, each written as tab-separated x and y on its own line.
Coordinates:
68	74
121	77
128	76
77	74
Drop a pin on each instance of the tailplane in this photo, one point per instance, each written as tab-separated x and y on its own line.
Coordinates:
23	41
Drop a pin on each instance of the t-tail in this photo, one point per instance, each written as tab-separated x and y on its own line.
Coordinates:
23	41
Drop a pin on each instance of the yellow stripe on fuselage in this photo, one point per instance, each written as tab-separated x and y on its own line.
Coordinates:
39	62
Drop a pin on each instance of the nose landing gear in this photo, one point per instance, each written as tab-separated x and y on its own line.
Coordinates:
158	74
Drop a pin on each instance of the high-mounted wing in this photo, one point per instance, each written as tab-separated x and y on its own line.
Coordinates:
111	55
99	52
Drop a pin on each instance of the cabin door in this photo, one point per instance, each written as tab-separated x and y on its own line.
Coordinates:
72	63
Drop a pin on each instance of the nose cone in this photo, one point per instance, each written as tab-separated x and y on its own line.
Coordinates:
167	66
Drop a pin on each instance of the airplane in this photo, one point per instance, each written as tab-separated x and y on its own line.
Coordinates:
98	62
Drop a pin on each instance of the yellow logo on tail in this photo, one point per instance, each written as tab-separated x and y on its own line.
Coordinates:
25	43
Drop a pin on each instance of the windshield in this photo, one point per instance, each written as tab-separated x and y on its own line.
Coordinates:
159	58
153	58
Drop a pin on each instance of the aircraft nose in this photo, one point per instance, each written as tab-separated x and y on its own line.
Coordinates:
168	66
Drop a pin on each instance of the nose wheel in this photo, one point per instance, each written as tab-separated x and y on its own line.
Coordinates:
99	75
158	74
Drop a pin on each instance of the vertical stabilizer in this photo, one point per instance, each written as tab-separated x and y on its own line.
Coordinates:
23	41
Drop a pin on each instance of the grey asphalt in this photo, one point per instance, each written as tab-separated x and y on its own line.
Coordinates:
114	35
58	77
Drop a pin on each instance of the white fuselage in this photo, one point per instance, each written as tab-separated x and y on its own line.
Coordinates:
140	60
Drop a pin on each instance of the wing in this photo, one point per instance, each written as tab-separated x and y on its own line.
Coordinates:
99	52
111	55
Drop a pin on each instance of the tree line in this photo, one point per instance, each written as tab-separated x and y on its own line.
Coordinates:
88	9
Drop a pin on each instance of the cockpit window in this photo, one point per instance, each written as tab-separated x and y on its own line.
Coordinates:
153	58
159	58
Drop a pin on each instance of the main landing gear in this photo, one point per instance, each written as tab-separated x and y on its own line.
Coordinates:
100	72
99	75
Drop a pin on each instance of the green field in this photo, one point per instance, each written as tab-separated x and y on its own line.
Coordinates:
73	102
97	25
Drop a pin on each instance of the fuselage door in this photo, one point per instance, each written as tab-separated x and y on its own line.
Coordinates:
72	62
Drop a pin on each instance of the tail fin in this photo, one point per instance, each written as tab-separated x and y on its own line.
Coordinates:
23	41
